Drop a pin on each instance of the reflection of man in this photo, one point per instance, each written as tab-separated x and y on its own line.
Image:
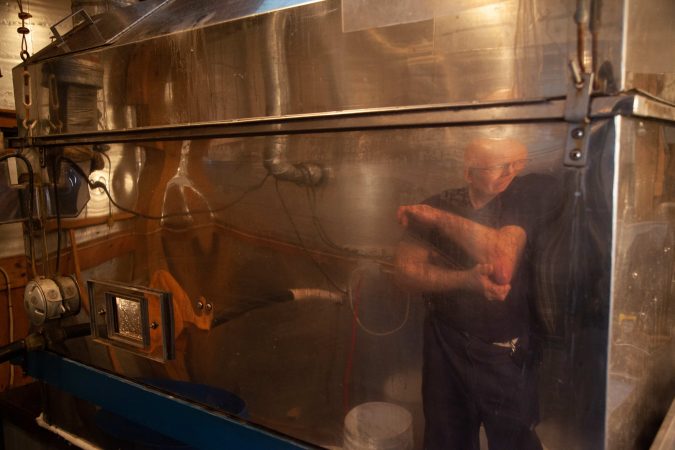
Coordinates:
468	250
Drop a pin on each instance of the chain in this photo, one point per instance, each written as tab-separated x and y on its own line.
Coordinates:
23	31
27	94
27	102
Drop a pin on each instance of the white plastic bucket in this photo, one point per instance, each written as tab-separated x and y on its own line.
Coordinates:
378	426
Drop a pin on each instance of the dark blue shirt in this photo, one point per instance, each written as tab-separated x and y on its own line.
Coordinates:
530	202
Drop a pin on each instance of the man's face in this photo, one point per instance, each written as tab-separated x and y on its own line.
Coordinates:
491	165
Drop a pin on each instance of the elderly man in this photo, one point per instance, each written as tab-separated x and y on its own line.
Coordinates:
468	251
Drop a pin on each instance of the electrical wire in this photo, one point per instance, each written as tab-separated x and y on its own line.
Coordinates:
311	195
101	185
56	172
31	202
353	305
323	235
109	177
10	312
103	153
45	247
346	381
302	243
55	175
350	294
311	199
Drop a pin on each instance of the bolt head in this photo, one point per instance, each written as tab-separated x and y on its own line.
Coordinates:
575	155
578	133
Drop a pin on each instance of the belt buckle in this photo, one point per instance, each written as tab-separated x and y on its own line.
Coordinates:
512	344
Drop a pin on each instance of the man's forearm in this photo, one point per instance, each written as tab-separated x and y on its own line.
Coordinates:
415	272
501	247
425	277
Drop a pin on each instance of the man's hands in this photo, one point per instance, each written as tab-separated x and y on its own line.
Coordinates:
416	272
424	214
479	280
496	252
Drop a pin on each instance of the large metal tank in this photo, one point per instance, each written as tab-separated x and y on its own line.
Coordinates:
257	152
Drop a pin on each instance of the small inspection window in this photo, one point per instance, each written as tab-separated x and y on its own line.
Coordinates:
128	319
134	318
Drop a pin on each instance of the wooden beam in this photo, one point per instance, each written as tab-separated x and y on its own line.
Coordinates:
93	253
7	118
69	224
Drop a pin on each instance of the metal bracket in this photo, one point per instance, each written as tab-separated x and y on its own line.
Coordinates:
576	147
42	157
577	107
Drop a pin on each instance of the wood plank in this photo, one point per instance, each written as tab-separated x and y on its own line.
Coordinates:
21	329
8	118
69	224
94	253
17	269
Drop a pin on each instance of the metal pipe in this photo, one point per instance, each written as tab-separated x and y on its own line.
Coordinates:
43	339
71	438
279	167
277	86
581	19
594	26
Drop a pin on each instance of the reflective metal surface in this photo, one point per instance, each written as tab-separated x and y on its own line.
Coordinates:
198	52
641	363
372	119
79	31
247	240
318	68
44	12
259	154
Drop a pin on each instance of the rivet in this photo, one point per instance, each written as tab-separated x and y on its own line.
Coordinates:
575	155
578	133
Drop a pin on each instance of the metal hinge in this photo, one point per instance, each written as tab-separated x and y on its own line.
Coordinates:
576	114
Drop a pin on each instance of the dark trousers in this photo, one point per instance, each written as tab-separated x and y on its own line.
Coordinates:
468	382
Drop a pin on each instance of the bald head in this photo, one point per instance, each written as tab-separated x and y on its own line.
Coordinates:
486	152
490	165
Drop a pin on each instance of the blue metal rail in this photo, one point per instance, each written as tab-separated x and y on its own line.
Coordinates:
179	419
